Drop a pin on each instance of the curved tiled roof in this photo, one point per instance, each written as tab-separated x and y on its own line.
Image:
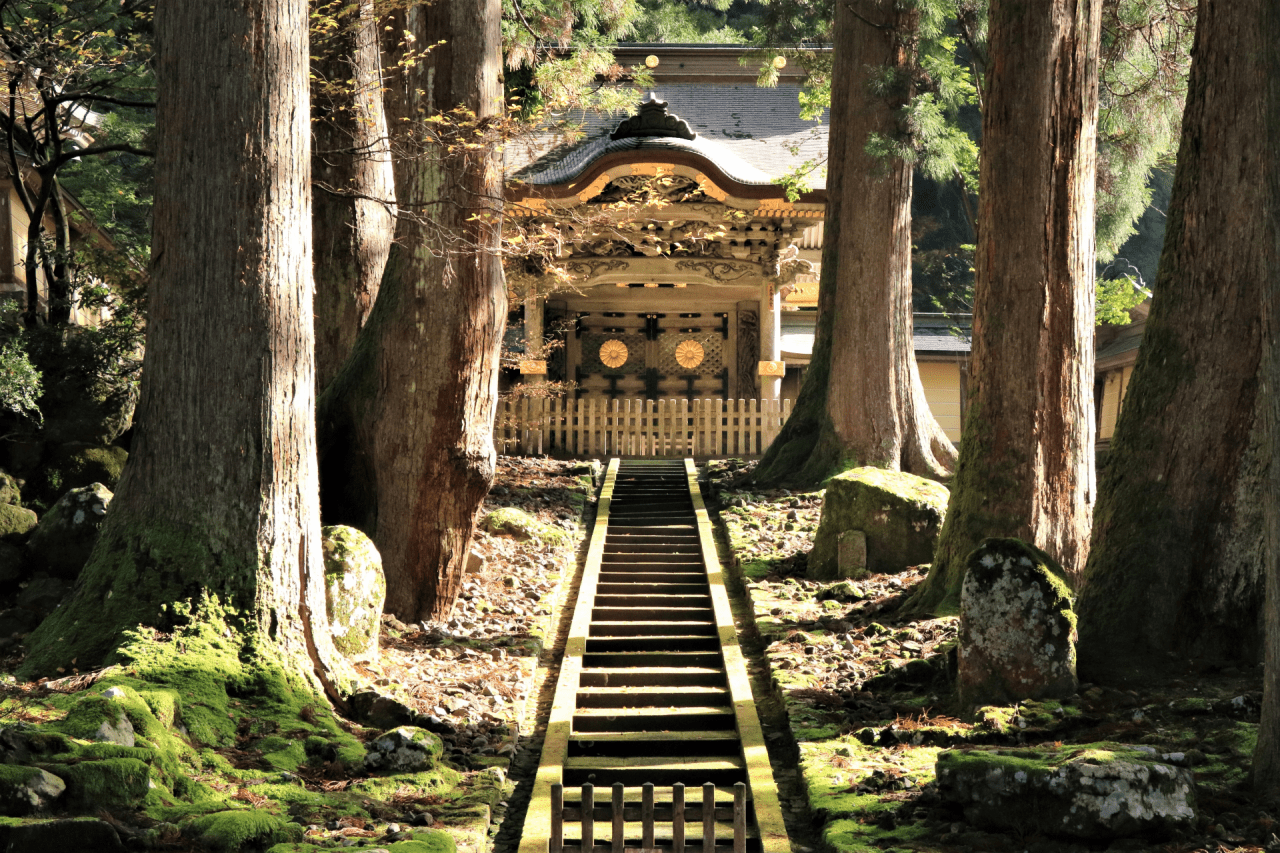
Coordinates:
576	161
754	135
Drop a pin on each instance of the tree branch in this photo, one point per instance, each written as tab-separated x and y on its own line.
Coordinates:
94	150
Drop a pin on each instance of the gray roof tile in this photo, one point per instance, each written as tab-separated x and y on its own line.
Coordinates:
749	132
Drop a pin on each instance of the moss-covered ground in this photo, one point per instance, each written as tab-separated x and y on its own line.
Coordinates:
868	698
232	754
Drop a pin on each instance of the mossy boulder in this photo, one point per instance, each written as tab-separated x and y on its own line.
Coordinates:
522	526
355	591
99	717
62	543
16	522
27	790
10	493
79	834
404	750
1017	629
104	784
74	466
900	515
1096	791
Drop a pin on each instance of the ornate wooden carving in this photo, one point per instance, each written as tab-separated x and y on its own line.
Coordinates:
748	354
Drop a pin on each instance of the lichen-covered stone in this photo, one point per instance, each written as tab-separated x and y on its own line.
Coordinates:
62	543
98	718
1017	629
1098	791
520	525
355	591
404	750
16	522
901	515
27	790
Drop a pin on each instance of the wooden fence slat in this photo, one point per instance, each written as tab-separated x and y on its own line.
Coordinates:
708	818
598	417
556	842
740	818
615	442
685	405
562	412
588	816
722	434
646	816
619	823
754	439
524	426
653	428
677	818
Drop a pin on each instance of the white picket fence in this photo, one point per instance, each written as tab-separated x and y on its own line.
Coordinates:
596	427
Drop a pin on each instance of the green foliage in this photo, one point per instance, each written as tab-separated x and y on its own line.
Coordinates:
1146	56
1115	297
691	22
557	48
116	188
20	386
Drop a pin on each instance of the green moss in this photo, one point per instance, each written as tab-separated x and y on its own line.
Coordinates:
426	782
855	836
521	525
87	716
1041	759
15	521
231	830
107	783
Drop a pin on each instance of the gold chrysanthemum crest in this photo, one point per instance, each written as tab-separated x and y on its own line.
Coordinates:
613	353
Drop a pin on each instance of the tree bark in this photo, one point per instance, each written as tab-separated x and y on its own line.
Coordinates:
353	211
1026	470
407	454
219	497
1266	758
1177	554
862	402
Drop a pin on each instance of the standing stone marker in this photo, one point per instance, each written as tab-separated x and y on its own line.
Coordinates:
1017	629
852	554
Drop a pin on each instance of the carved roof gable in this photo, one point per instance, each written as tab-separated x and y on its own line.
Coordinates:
653	120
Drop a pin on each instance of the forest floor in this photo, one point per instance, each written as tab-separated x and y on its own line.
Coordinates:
868	698
283	776
858	703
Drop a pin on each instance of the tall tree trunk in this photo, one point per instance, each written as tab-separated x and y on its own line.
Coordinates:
1266	758
1177	544
862	402
1027	466
407	449
353	212
219	497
